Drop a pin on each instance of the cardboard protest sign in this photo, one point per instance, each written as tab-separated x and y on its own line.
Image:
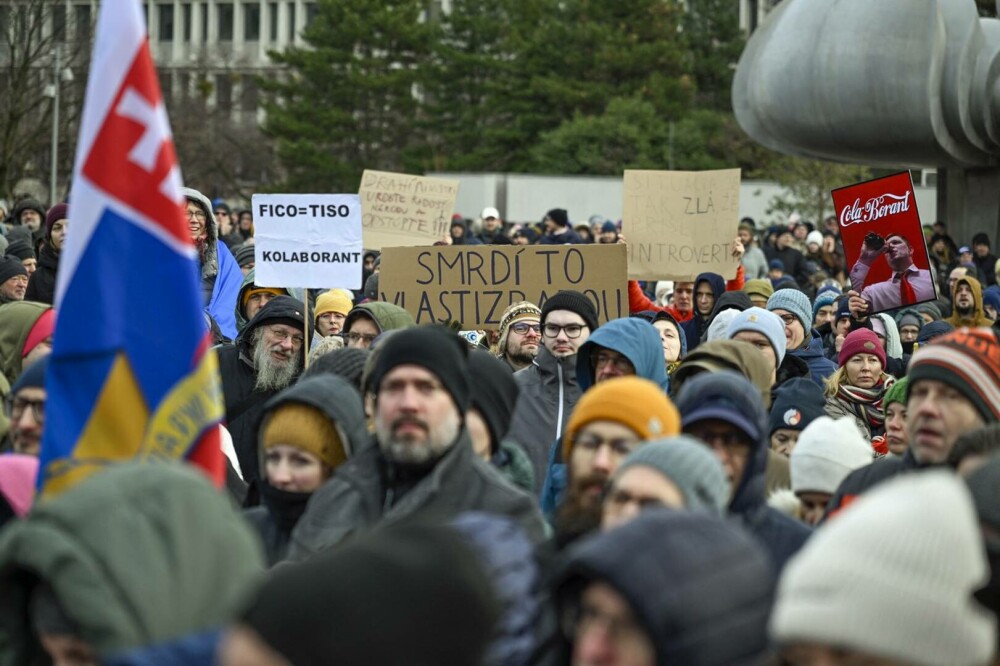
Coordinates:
402	210
474	284
680	223
884	242
307	240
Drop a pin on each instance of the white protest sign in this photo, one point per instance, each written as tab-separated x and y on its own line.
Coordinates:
307	240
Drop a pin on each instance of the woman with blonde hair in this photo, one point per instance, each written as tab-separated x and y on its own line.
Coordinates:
858	386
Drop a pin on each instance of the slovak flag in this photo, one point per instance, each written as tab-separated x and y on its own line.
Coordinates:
131	373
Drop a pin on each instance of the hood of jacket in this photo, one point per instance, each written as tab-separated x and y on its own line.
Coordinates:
16	320
137	554
718	285
248	284
633	338
387	316
741	357
978	317
893	345
653	316
210	262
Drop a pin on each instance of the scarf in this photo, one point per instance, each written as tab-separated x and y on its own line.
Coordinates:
866	404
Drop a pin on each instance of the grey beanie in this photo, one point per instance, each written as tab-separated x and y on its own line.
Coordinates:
687	463
795	302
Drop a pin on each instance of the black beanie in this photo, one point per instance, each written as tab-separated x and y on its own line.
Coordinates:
559	216
20	250
573	301
797	403
244	255
347	362
410	593
9	267
435	348
494	393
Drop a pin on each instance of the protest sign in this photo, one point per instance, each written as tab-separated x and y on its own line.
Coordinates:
884	242
307	240
402	210
680	223
472	285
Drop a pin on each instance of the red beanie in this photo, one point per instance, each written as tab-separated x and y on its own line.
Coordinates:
861	341
42	328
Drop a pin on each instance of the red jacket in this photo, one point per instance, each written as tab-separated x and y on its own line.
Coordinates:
639	302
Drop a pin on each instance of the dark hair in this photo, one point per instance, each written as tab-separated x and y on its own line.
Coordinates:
980	442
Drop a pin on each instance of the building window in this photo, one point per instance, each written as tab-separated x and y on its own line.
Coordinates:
291	21
251	22
186	17
224	93
225	22
203	10
248	96
272	11
311	10
166	15
59	23
81	20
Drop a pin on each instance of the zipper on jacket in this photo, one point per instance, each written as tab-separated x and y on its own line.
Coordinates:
560	417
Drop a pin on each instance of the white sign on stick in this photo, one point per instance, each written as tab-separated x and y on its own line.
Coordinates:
311	241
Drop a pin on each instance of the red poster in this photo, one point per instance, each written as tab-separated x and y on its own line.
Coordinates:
886	251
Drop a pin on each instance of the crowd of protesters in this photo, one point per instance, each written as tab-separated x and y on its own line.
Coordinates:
745	470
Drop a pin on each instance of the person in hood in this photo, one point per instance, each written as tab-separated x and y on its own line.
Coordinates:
736	355
967	301
28	213
620	348
672	338
26	331
307	432
252	297
267	358
670	587
42	285
725	411
421	458
801	340
558	230
707	289
221	276
460	232
134	555
369	320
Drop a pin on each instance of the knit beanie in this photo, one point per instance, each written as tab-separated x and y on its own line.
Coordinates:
636	403
719	328
843	310
893	576
42	329
929	309
896	393
909	318
822	300
494	393
11	267
689	465
32	377
559	216
764	322
797	303
758	288
827	451
306	428
244	255
861	341
574	301
967	360
814	237
58	212
514	313
933	330
434	348
259	290
797	403
333	301
347	362
20	250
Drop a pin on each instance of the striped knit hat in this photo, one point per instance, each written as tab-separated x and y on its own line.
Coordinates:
967	360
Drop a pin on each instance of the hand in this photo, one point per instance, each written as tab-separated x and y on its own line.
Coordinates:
447	239
857	305
738	250
621	239
838	342
868	257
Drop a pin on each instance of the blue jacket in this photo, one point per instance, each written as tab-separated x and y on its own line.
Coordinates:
222	305
635	339
820	367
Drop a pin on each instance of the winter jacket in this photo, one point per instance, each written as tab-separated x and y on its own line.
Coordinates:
496	238
639	302
698	324
549	392
634	339
794	261
16	320
820	367
363	493
42	284
568	236
978	317
220	274
986	267
137	554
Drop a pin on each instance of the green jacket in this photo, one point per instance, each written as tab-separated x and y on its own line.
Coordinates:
16	320
137	554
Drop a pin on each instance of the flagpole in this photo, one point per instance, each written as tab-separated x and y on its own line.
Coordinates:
305	340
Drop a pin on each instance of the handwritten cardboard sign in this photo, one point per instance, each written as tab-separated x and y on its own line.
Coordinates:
307	240
474	284
680	223
402	210
884	242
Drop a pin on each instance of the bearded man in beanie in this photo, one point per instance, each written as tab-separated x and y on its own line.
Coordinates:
520	335
549	388
220	274
422	457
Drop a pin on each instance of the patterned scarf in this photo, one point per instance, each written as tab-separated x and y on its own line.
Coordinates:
867	403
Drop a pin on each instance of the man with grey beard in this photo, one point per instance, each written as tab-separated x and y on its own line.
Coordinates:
422	458
266	358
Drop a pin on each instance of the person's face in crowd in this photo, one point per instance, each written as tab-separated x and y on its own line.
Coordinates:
964	301
563	333
13	288
363	332
745	236
415	418
784	240
760	341
609	236
196	221
68	650
758	300
842	326
609	364
457	231
59	230
863	370
43	348
775	274
956	275
223	221
783	440
635	489
831	224
30	264
670	339
800	232
605	631
330	323
256	302
31	219
242	646
908	333
895	428
936	415
684	296
520	239
812	654
938	246
26	411
981	249
813	506
491	224
825	314
523	338
550	225
294	470
829	244
730	445
246	220
704	298
369	262
795	335
991	312
282	344
897	253
598	449
479	432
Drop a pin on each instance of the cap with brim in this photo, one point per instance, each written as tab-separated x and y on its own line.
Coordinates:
730	415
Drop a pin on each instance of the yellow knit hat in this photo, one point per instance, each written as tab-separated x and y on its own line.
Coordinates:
634	402
306	428
261	290
333	301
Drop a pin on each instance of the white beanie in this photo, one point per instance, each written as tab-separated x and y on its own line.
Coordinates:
719	328
827	451
814	237
893	576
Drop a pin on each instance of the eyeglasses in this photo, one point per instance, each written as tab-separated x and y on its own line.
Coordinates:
523	327
280	335
591	443
195	215
572	331
15	408
621	363
358	337
730	440
789	319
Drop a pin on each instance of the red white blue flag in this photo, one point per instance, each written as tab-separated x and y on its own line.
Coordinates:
131	373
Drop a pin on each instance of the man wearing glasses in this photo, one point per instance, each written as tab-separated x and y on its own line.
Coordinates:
520	335
266	358
548	386
25	407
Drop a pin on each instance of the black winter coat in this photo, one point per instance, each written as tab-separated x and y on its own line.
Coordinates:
42	285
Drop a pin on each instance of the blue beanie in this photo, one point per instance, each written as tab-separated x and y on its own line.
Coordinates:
795	302
992	297
32	377
935	329
823	299
761	321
